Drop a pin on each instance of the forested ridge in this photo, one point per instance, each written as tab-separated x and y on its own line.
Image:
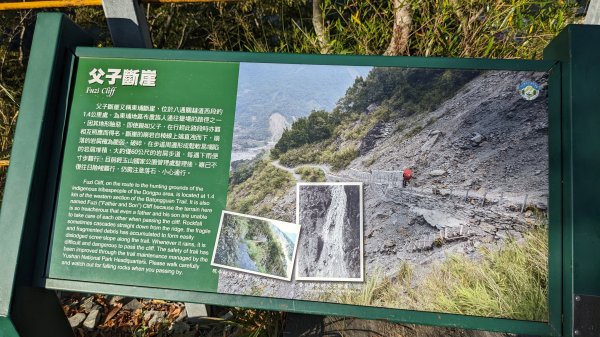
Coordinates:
385	94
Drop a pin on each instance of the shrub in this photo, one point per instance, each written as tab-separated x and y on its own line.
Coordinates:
306	130
311	174
266	183
343	157
412	132
306	154
400	127
370	161
242	170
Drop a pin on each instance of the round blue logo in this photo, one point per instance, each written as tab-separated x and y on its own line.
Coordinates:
529	90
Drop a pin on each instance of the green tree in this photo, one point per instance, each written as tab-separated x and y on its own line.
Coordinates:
306	130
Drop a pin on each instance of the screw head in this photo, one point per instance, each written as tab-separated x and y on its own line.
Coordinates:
577	298
576	332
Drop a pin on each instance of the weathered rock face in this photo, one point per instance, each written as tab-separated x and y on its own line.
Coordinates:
314	211
379	131
488	132
437	173
329	244
433	137
352	234
228	241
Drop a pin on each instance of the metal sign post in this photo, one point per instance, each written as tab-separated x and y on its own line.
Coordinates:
580	209
25	215
127	23
592	16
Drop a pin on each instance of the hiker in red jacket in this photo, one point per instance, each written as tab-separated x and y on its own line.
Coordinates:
406	176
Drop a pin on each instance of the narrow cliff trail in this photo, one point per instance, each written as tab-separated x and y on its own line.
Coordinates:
325	168
245	260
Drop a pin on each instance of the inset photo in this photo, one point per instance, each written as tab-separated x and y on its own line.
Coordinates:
256	245
331	238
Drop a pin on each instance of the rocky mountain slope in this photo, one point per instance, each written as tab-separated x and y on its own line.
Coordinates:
480	162
329	245
487	137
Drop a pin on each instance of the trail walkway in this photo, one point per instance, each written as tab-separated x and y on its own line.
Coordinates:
325	168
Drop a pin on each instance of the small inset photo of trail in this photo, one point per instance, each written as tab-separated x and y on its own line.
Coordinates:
256	245
330	245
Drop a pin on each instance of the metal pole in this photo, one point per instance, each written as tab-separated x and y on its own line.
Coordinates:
593	13
127	23
524	203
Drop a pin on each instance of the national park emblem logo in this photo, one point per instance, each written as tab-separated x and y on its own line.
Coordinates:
529	90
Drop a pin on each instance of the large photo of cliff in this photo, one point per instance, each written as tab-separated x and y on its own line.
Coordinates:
467	234
330	216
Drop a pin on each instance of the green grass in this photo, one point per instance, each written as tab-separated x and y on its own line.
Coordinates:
343	157
257	193
256	254
254	323
510	282
311	174
412	132
400	127
378	290
306	154
326	152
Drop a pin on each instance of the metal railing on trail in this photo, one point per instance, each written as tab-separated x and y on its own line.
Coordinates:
484	198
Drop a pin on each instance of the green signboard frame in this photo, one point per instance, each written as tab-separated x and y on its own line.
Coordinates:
28	208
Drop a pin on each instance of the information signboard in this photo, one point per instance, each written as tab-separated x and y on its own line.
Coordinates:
330	183
144	172
451	192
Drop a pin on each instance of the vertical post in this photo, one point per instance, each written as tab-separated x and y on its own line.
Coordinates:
592	16
127	23
578	50
27	212
524	203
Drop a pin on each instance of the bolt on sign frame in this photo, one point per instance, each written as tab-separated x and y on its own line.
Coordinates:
31	190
